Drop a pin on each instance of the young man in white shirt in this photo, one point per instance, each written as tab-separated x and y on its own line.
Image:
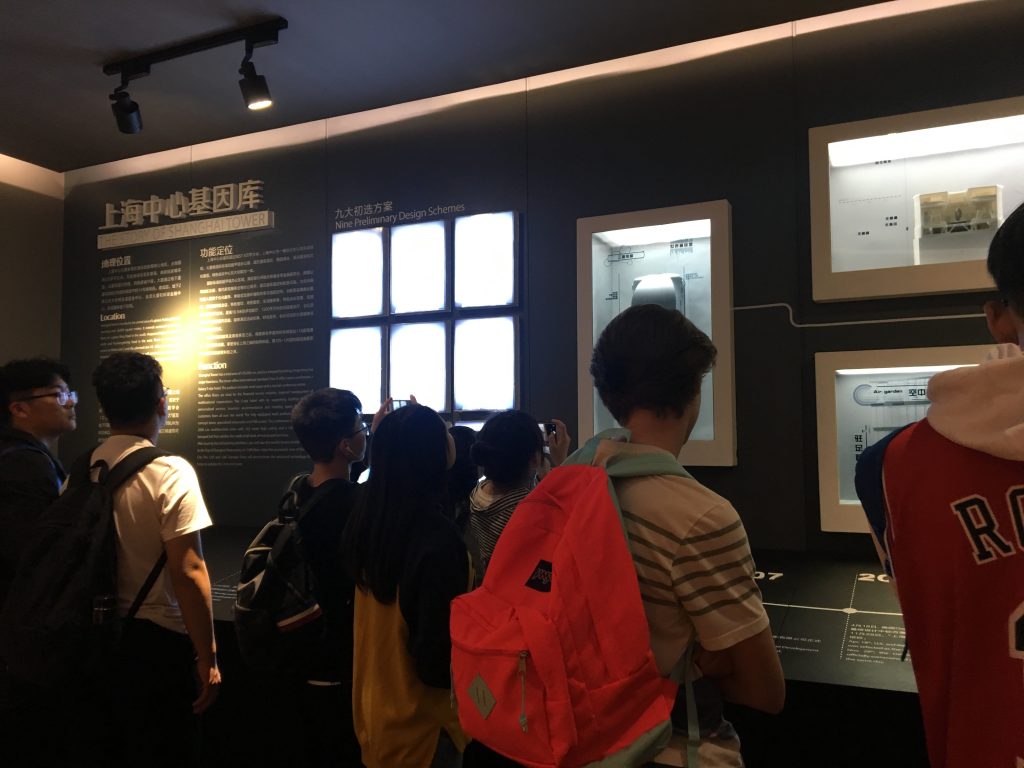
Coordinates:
159	509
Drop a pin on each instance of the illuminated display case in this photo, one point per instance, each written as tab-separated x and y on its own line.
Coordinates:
908	204
862	397
677	257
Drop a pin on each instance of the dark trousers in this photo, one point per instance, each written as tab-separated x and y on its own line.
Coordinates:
329	738
52	728
153	689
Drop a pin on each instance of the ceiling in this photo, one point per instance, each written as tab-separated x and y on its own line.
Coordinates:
336	57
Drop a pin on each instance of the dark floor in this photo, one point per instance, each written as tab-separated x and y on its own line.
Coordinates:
823	726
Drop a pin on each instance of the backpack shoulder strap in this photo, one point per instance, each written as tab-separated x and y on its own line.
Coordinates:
114	479
288	507
586	452
147	585
80	468
131	464
626	465
318	494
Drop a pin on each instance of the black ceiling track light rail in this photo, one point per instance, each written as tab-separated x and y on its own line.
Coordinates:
253	86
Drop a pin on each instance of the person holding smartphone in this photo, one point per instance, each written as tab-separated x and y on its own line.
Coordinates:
514	455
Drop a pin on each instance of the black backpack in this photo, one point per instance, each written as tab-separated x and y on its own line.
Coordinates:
60	623
278	620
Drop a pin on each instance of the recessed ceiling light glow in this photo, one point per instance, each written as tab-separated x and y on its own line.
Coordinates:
980	134
659	233
905	370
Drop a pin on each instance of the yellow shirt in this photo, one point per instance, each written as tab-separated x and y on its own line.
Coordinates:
397	717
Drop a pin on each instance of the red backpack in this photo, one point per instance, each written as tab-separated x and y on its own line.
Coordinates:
551	656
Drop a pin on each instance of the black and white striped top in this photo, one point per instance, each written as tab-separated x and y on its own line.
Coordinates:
488	515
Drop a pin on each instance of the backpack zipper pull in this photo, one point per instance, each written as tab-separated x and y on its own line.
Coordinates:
523	655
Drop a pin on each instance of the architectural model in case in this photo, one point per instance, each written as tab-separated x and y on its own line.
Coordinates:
667	291
908	204
677	258
943	213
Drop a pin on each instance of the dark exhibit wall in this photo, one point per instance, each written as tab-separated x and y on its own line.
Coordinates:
732	126
30	299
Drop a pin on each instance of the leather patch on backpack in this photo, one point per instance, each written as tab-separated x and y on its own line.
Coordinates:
541	578
481	695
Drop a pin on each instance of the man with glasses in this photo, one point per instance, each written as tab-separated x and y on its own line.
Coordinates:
329	425
36	408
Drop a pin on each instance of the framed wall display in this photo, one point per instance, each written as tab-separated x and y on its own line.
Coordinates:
862	397
908	204
679	257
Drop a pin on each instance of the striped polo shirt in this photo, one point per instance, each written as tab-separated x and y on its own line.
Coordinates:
692	558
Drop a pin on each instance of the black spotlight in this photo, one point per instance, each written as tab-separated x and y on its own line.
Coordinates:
126	111
254	87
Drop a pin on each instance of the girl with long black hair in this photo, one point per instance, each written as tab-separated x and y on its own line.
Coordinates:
408	562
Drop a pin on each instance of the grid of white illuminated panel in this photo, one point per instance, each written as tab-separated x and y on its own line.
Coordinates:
408	301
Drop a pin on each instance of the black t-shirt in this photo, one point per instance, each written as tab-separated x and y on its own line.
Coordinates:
321	529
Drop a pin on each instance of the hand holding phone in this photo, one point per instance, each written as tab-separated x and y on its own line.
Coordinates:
557	439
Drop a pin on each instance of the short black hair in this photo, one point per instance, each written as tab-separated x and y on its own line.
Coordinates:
22	375
506	444
324	418
650	357
128	385
1006	260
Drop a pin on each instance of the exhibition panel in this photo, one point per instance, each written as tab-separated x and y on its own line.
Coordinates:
862	397
908	204
679	258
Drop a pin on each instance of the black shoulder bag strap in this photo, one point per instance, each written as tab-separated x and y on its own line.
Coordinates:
318	493
115	478
289	508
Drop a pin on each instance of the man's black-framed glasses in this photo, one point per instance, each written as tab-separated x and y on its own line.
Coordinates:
64	396
365	429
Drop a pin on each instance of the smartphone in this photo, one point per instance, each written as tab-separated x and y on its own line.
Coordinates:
547	427
396	404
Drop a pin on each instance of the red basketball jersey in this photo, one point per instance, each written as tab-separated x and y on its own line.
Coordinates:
955	536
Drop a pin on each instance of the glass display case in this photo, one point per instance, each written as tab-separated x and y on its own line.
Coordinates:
908	204
862	397
677	257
